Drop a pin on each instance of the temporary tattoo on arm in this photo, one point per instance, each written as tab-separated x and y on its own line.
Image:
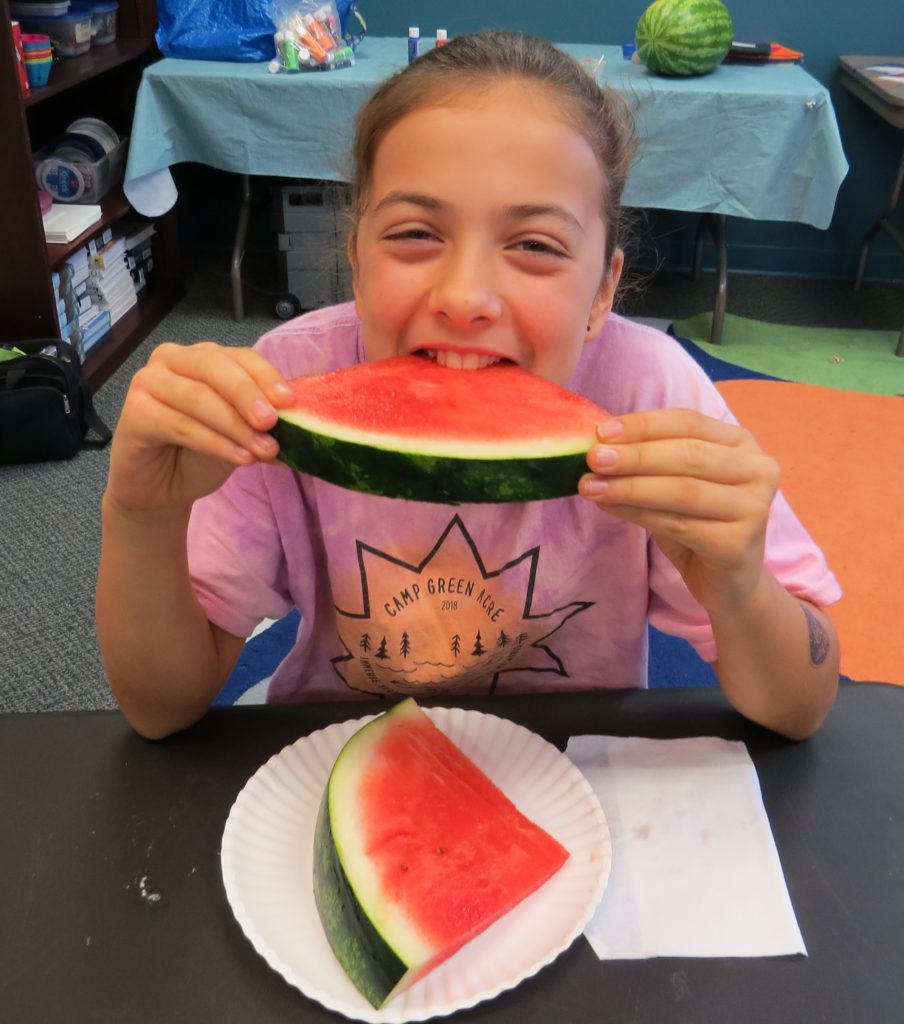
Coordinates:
819	638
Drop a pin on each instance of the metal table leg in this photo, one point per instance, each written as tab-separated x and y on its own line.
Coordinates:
238	250
884	223
716	224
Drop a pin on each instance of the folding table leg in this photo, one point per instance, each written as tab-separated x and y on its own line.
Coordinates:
238	250
716	224
883	223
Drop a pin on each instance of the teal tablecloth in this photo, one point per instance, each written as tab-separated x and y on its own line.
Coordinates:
748	141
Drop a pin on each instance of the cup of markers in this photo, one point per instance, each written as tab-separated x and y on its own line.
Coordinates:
38	58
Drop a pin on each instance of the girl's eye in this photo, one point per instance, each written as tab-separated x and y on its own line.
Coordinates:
410	234
538	246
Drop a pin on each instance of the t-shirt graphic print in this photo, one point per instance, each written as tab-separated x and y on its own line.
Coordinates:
452	620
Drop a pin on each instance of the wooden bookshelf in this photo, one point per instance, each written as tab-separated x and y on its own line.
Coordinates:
101	83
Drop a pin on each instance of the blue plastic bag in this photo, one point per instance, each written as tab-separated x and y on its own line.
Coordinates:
232	30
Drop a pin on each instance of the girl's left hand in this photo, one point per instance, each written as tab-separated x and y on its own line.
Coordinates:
702	488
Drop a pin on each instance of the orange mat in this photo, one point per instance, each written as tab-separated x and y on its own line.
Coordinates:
842	459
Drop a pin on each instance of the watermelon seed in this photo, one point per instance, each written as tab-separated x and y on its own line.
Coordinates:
439	849
404	867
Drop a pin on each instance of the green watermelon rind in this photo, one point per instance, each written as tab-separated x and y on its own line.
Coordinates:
375	951
361	950
684	37
414	476
379	949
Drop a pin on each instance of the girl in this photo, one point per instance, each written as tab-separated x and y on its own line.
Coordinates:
485	223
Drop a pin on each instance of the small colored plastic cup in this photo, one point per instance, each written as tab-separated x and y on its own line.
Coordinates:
38	72
34	41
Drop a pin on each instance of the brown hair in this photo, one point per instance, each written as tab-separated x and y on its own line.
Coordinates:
601	115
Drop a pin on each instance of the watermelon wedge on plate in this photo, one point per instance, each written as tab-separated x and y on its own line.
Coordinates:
416	853
268	868
407	427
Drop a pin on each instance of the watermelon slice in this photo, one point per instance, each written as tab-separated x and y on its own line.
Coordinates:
416	852
406	427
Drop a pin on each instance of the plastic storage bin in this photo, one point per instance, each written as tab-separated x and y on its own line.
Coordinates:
311	236
70	33
80	181
103	22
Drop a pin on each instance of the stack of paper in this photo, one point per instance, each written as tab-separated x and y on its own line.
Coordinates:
65	221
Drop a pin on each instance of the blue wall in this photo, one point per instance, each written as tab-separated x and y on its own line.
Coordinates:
822	29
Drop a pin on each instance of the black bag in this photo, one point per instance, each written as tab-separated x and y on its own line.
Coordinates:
46	409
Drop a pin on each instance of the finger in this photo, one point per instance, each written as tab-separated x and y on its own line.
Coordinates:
722	542
677	496
179	410
683	456
240	375
660	424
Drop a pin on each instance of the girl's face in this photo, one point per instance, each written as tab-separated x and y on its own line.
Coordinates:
482	237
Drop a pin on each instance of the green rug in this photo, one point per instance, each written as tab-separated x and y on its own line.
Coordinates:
836	357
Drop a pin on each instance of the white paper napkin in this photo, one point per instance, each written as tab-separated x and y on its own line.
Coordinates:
695	871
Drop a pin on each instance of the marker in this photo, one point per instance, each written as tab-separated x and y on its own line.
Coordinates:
316	29
328	24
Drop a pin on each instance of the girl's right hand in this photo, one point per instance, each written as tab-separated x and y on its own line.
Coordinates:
192	415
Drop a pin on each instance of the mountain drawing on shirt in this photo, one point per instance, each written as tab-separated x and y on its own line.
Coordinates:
447	624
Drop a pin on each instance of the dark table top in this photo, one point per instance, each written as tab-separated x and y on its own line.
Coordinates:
94	819
882	95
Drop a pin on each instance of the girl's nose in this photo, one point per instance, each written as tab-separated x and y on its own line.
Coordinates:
464	294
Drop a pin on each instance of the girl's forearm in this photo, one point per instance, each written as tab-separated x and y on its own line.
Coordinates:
778	659
159	651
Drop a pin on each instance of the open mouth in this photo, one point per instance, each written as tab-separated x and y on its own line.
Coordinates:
461	360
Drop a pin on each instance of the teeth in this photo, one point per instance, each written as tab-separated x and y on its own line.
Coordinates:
462	361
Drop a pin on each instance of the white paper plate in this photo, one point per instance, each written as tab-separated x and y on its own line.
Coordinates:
267	858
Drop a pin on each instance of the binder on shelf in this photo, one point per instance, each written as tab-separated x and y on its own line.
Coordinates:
108	255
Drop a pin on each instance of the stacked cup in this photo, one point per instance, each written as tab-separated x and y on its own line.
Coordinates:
38	59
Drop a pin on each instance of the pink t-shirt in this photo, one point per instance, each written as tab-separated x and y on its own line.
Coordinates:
417	598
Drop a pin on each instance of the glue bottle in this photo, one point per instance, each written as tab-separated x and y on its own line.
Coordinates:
414	43
442	37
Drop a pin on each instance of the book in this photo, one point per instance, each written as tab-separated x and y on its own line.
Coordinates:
66	221
137	232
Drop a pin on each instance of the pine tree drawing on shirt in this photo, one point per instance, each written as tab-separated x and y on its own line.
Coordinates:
382	653
503	640
478	646
364	642
456	645
405	646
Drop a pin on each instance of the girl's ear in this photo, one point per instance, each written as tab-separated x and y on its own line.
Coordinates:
602	305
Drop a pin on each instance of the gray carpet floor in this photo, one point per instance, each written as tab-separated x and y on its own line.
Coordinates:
50	512
50	539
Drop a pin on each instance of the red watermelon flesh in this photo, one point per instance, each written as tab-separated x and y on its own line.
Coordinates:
415	398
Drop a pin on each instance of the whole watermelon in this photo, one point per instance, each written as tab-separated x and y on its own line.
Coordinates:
684	37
